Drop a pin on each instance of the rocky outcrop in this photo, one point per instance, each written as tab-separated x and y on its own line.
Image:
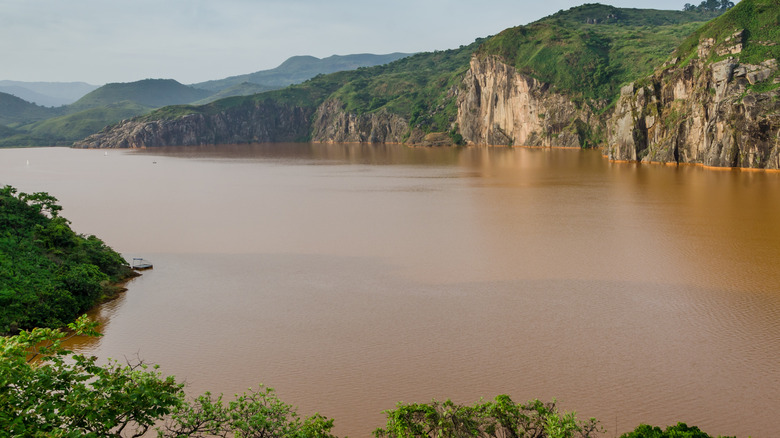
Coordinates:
332	124
700	113
500	106
254	122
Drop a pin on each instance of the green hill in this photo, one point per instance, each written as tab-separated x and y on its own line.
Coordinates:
15	111
63	130
153	93
300	68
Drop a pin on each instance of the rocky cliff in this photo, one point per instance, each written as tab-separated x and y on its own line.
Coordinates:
253	122
500	106
332	124
710	113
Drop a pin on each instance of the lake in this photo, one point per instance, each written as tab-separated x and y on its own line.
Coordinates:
352	277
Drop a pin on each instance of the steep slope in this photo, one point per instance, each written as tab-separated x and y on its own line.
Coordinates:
716	103
544	84
300	68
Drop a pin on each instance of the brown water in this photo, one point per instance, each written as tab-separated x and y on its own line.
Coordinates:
353	277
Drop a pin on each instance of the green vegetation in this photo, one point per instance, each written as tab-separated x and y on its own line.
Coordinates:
49	274
499	418
760	20
710	5
15	111
63	130
587	52
680	430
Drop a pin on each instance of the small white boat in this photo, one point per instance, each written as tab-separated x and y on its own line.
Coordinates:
140	264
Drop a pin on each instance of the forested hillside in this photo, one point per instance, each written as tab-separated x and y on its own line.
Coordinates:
49	274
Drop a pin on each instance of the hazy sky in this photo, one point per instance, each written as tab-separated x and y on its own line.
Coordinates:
100	41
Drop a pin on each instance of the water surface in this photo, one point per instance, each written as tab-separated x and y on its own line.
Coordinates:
352	277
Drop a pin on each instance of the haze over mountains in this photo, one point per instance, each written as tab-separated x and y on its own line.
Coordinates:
53	113
47	93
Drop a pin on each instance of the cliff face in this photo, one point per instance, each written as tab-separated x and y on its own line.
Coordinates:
700	113
500	106
256	123
332	124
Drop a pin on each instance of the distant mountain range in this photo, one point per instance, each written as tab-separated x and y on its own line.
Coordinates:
54	113
47	93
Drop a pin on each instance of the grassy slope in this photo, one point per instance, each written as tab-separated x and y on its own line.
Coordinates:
590	60
761	21
14	110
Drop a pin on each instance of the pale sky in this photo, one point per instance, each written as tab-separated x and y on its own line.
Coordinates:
101	41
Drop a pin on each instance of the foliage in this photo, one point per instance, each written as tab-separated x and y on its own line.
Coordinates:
48	273
760	20
46	390
587	52
680	430
710	5
255	414
499	418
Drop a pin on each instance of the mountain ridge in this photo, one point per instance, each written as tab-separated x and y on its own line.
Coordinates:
297	69
425	90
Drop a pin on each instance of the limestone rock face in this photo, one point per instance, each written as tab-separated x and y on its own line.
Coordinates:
699	113
256	123
499	106
332	124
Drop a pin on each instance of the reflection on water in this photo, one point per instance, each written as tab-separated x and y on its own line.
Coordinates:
350	277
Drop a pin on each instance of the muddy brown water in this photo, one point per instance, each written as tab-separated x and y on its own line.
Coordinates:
352	277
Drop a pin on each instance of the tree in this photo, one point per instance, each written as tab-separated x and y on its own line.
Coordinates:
499	418
48	273
680	430
46	390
